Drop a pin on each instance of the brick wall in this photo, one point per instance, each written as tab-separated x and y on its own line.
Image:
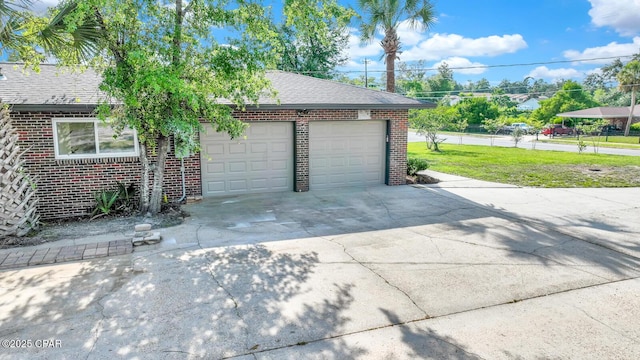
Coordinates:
66	187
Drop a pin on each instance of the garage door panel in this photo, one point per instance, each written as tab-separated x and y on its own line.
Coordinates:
263	162
279	164
281	130
346	153
279	147
215	168
214	149
260	184
237	166
260	148
280	183
215	186
259	166
238	185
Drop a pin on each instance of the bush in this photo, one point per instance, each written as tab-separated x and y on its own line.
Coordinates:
635	127
416	164
115	201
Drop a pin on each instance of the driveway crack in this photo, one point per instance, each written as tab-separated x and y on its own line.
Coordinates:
608	326
364	265
230	296
118	283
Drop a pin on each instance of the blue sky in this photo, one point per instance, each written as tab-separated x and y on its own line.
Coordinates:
472	34
554	34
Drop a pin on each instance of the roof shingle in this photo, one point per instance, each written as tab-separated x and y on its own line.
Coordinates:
58	88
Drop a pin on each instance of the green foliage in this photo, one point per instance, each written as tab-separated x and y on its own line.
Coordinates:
494	125
105	201
429	122
572	97
629	77
313	37
629	81
414	165
635	127
386	16
167	72
586	128
516	135
476	109
118	200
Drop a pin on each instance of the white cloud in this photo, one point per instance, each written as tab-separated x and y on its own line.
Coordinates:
609	51
542	72
441	46
408	36
356	49
622	15
461	65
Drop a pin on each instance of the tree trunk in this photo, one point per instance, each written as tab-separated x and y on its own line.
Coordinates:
391	45
144	179
155	204
391	74
630	119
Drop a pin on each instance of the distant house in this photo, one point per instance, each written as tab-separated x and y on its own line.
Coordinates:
524	101
616	115
529	105
318	134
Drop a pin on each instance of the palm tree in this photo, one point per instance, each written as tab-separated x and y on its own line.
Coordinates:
629	81
11	19
22	32
387	15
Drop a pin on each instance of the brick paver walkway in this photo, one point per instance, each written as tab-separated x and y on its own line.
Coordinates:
25	257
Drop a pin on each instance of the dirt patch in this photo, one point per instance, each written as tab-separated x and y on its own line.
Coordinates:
73	228
615	175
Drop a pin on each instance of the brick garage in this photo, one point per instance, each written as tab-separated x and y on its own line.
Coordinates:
66	186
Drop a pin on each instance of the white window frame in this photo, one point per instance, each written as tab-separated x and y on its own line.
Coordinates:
97	155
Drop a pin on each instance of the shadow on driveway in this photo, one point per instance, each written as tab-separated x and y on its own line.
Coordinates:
314	275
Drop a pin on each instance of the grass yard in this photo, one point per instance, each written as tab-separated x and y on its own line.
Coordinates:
536	168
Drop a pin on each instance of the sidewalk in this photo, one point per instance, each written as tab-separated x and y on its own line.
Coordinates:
21	257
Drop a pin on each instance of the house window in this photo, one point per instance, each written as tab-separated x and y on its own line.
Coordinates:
91	138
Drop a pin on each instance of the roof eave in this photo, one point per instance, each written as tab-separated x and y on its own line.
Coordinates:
341	106
54	107
91	107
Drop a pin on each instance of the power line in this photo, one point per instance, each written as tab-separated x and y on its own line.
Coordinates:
478	66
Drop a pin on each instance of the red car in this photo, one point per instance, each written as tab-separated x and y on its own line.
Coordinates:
557	129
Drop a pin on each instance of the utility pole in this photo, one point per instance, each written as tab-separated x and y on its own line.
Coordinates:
366	75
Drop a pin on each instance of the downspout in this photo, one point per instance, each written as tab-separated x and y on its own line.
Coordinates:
184	185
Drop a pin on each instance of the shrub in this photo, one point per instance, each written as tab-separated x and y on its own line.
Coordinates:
416	164
635	127
119	200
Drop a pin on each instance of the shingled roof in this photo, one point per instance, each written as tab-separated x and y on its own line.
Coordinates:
602	112
55	88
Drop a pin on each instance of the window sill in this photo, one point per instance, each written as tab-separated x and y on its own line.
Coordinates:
104	160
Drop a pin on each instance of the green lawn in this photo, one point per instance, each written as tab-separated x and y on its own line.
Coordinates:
526	167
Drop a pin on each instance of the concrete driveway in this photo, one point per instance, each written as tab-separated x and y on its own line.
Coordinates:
462	269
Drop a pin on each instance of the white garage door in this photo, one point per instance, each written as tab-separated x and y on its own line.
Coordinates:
263	162
346	153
